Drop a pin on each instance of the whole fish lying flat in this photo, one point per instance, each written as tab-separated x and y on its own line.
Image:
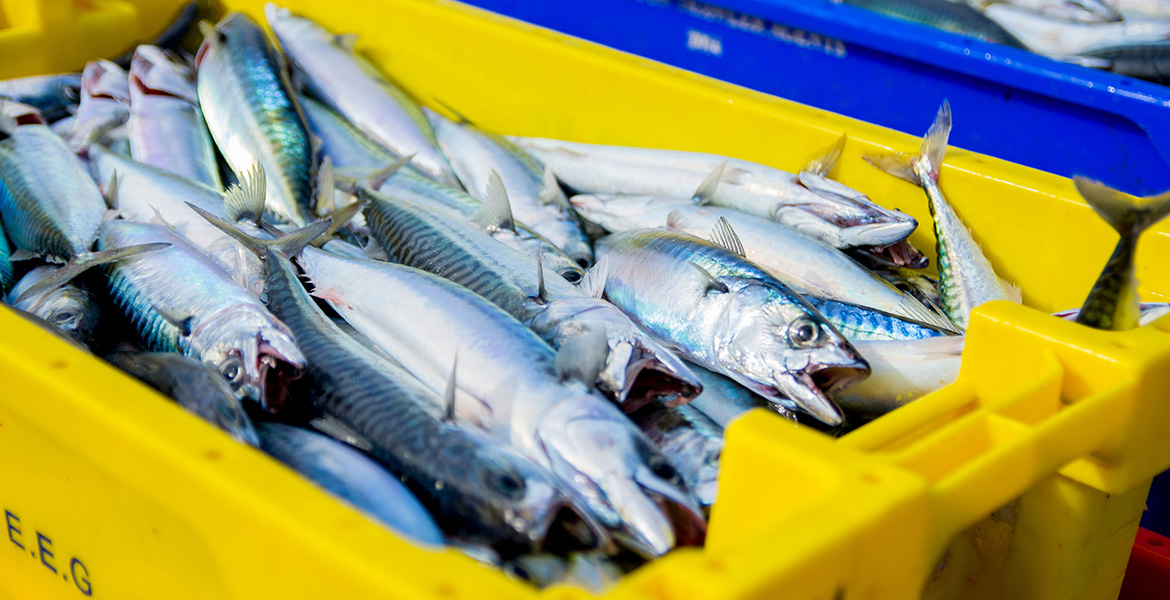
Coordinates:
535	195
948	16
180	301
806	264
198	388
1113	303
166	126
252	115
53	95
723	313
636	367
826	210
1060	38
341	79
692	442
966	277
49	204
513	385
479	489
349	475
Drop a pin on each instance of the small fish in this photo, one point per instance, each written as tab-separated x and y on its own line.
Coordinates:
1062	38
343	80
105	105
253	116
966	277
166	126
1113	303
351	476
49	204
726	314
900	372
55	96
197	387
807	201
948	16
180	301
692	442
535	196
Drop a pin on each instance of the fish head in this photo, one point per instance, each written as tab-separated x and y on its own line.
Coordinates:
158	72
783	349
525	502
104	79
69	308
596	449
255	353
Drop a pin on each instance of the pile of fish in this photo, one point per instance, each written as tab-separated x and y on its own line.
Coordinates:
413	313
1130	37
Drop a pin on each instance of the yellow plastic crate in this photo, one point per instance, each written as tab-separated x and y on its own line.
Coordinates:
1024	479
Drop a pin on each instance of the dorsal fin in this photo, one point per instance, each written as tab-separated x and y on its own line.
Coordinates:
583	356
377	178
822	164
550	190
495	212
725	237
708	281
710	183
674	220
449	393
244	201
341	217
541	292
593	283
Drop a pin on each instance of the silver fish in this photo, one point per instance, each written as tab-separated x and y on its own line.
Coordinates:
14	114
49	204
900	372
180	301
966	277
1141	9
349	475
692	442
1084	11
636	369
480	489
724	313
805	263
252	115
70	308
535	195
1054	38
166	126
723	400
198	388
509	384
336	75
55	96
808	202
105	104
1148	312
351	150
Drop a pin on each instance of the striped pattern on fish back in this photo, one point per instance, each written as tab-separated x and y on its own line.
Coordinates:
154	332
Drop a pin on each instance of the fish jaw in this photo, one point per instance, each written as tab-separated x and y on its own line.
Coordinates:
254	352
879	234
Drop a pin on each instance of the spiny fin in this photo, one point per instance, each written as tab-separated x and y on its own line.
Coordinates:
550	190
244	200
822	164
674	220
593	283
377	178
326	202
84	262
374	251
932	151
1012	291
289	244
708	281
20	254
346	41
495	212
1127	214
911	308
341	432
541	291
896	164
449	393
706	189
583	356
725	237
341	217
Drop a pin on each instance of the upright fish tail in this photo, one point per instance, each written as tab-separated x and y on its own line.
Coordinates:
1129	215
289	244
930	153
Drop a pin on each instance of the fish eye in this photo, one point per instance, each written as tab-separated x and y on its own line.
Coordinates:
63	317
571	275
663	469
232	369
508	485
803	332
584	263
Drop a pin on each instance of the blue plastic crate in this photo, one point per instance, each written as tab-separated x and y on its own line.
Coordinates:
1008	103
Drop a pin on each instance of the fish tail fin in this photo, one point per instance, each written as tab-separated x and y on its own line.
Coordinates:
377	178
244	200
289	244
1129	215
931	151
341	216
822	164
83	263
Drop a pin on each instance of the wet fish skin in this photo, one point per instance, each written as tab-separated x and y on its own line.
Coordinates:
350	149
49	204
901	371
180	301
858	323
723	400
1064	39
351	476
104	107
721	312
509	385
52	95
253	116
1084	11
346	82
166	126
70	308
691	440
535	201
948	16
196	386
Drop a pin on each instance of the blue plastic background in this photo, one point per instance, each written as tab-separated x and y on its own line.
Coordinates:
1008	103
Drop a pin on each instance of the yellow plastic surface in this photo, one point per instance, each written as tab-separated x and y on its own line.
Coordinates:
1024	479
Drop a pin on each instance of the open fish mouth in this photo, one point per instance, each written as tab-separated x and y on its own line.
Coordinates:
275	376
900	254
567	529
653	382
834	378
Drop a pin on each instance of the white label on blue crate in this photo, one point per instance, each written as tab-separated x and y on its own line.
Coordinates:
706	42
701	42
40	548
